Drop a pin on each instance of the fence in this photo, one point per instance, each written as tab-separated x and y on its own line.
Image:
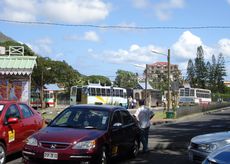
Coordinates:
188	110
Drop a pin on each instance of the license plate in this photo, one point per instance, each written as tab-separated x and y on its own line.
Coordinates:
50	155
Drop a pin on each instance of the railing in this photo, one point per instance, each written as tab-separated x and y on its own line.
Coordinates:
188	110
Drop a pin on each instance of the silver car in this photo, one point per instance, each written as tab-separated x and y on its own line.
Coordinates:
201	146
219	156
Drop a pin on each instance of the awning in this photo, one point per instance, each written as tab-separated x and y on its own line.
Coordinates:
17	65
53	87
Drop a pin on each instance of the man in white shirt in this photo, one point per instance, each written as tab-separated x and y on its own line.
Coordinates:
144	116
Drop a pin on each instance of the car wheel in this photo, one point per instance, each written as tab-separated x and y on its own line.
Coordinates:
135	148
2	153
104	158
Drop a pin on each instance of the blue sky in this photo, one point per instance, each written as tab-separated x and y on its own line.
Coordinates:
97	51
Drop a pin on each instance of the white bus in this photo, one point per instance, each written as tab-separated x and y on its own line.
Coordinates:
97	94
193	96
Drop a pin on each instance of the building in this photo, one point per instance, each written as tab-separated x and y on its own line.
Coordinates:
153	70
15	77
153	97
227	83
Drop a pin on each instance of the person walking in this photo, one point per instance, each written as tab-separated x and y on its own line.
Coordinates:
144	115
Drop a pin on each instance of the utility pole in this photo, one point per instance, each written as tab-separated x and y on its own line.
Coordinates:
169	70
146	82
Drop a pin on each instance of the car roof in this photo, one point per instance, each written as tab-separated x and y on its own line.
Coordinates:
100	107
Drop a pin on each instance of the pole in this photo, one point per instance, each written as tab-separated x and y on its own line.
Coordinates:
42	93
146	82
169	70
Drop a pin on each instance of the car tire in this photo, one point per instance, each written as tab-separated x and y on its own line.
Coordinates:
2	153
135	148
103	158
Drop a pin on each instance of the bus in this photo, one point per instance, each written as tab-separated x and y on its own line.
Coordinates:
48	99
98	94
192	96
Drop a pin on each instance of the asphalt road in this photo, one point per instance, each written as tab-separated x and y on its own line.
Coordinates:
168	142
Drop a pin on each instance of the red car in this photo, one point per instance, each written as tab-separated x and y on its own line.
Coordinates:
85	134
17	122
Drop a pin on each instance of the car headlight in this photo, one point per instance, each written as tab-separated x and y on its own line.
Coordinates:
210	147
32	141
85	145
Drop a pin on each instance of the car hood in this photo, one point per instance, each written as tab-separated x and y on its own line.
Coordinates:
60	134
220	155
211	137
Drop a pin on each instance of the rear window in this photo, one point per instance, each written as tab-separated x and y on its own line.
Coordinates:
1	108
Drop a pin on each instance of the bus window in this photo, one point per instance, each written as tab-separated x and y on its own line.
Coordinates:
121	93
103	92
108	92
93	91
98	91
79	92
186	90
181	92
73	91
117	92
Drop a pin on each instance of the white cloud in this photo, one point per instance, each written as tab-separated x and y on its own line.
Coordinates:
224	46
134	55
140	3
23	11
91	36
43	46
186	46
88	36
68	11
228	1
163	10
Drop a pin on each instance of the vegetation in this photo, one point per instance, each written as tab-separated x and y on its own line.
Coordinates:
207	75
126	79
199	74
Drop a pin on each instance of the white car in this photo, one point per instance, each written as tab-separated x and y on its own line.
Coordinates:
201	146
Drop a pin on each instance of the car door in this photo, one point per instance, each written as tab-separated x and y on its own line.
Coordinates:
128	130
116	136
14	131
30	124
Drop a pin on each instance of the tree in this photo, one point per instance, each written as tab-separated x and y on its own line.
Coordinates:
125	79
200	68
191	78
98	79
220	73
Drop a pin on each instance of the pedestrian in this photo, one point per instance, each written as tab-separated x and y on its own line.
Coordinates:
144	115
130	101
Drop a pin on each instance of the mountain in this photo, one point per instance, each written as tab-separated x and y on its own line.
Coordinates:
4	38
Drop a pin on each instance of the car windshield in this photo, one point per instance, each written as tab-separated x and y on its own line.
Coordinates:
82	119
1	108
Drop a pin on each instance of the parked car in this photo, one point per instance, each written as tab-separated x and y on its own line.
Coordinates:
17	122
201	146
85	133
219	156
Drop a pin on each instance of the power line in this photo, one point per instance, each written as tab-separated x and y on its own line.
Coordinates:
117	26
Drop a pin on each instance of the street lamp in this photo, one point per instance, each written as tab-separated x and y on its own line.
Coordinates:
169	70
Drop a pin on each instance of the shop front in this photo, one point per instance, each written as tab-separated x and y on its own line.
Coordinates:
15	77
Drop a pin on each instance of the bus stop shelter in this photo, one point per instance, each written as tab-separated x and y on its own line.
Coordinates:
15	77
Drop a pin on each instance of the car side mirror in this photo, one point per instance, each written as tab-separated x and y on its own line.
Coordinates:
12	120
47	121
